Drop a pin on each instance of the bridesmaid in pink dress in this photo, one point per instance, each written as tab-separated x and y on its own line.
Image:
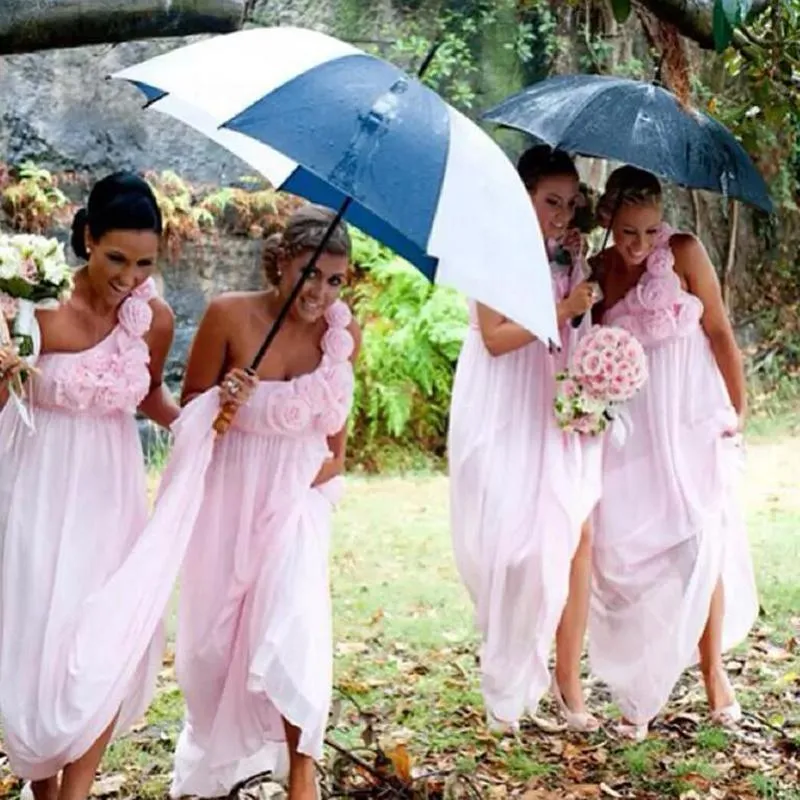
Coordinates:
79	635
673	575
521	489
254	651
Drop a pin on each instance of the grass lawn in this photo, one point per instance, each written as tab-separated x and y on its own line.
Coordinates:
407	688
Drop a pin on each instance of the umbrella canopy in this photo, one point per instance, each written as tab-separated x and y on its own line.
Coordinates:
324	120
637	123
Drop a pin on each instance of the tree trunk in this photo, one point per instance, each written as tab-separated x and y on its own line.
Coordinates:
29	25
693	18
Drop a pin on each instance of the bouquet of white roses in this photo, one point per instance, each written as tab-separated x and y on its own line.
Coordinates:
33	274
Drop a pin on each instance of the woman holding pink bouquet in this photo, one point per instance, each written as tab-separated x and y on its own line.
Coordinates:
673	575
79	650
521	489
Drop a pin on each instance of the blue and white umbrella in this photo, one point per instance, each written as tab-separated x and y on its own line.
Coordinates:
324	120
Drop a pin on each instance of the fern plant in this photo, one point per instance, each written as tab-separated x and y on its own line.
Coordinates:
412	334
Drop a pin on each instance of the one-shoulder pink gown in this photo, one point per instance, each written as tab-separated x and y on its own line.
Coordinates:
81	590
254	630
668	525
520	490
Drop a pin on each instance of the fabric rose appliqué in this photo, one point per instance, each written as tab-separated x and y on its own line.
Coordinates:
339	315
655	293
338	344
135	316
288	412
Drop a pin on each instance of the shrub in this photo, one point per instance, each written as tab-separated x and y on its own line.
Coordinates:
412	335
31	200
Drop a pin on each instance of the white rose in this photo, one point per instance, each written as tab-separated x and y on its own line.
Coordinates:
10	262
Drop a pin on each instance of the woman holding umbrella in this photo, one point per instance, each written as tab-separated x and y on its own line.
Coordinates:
521	490
673	575
254	646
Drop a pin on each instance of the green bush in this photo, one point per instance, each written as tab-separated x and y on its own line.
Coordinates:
412	335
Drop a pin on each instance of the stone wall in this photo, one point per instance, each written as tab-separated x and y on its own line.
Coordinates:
204	269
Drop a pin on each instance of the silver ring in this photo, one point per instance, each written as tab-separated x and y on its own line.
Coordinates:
233	387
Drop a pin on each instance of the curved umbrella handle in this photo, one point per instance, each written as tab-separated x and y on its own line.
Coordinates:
224	418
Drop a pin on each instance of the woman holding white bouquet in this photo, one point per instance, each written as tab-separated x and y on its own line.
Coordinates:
80	590
521	488
673	575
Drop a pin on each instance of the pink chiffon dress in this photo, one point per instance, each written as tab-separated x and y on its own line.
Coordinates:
80	597
254	642
520	490
668	526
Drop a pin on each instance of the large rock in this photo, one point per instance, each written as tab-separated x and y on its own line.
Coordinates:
59	109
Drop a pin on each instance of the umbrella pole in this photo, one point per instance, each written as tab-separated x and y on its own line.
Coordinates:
223	421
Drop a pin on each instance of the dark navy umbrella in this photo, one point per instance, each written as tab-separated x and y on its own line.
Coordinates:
637	123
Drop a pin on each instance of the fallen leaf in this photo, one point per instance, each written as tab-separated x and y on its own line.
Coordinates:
585	790
401	761
607	790
108	785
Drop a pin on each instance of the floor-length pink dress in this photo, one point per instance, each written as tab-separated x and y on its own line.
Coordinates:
520	490
81	591
254	630
668	525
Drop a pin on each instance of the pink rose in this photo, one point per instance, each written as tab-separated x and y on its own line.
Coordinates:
135	316
689	311
569	388
665	233
338	315
340	382
28	271
77	388
338	344
9	306
109	399
292	414
655	293
659	324
660	262
311	388
145	291
331	420
591	365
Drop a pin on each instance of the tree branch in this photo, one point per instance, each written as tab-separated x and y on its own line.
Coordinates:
30	25
693	18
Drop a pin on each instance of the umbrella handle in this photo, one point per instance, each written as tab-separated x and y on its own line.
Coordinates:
224	418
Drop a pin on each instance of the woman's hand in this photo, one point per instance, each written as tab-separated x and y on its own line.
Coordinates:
579	301
737	428
10	363
573	242
237	388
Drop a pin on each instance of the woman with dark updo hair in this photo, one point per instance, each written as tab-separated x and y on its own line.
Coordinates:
78	659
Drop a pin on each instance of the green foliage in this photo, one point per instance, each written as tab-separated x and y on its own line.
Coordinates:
484	46
621	9
728	15
412	334
31	199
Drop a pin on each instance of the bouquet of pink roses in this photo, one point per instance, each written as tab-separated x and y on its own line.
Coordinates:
607	368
